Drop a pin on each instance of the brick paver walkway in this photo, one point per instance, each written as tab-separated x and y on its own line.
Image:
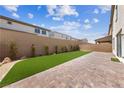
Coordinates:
92	70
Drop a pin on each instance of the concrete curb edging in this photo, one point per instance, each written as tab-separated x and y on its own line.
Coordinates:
4	69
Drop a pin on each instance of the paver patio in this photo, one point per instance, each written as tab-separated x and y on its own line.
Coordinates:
92	70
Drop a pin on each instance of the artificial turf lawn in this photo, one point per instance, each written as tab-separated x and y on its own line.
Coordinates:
34	65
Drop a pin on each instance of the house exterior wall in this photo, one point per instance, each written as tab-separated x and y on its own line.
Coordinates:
118	25
31	29
60	36
57	35
24	41
40	34
16	26
20	27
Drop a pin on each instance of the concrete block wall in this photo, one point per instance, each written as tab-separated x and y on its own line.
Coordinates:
24	41
103	47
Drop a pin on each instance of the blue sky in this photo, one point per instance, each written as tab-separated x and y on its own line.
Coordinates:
79	21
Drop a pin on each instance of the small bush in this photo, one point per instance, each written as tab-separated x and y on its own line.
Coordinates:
65	49
77	47
56	49
32	50
62	49
46	50
115	59
13	50
71	48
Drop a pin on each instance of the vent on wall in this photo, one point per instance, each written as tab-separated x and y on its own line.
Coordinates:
9	22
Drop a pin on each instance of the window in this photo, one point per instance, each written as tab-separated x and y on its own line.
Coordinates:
122	35
66	37
51	34
116	13
119	44
61	35
37	30
9	22
122	45
43	32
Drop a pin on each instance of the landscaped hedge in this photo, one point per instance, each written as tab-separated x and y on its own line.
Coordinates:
56	49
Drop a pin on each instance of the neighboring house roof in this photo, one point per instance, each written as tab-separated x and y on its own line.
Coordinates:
11	19
111	20
105	39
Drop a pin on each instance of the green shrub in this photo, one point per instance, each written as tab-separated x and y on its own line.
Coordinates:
56	49
13	50
71	48
32	50
46	50
62	49
65	49
77	47
115	59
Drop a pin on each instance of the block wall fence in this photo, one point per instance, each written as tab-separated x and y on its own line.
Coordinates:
103	47
25	40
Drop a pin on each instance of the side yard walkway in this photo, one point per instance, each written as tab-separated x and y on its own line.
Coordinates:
92	70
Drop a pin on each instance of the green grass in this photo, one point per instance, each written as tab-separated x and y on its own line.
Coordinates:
114	59
35	65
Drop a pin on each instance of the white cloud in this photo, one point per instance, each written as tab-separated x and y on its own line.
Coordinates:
11	8
104	8
15	15
67	10
79	20
73	23
42	25
35	24
96	11
86	21
75	29
51	9
57	18
95	20
87	26
67	27
30	15
60	11
38	7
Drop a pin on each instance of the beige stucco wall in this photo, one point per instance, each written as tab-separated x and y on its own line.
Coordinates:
117	26
103	47
16	26
25	40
